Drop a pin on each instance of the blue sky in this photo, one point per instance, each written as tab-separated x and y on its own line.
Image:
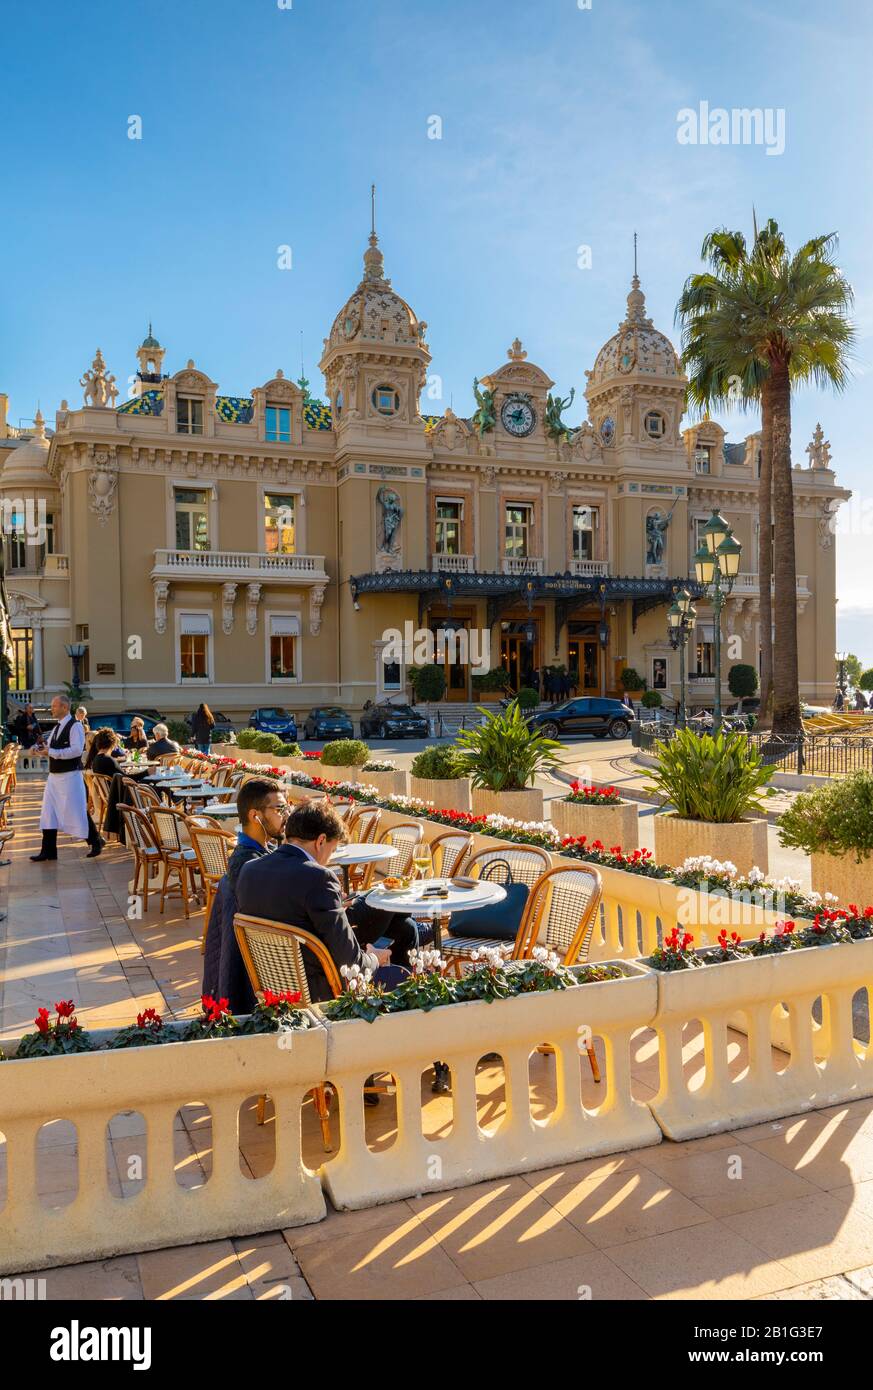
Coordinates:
264	126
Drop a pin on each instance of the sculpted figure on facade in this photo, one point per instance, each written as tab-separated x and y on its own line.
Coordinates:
555	407
819	449
389	521
99	385
485	417
102	487
656	537
450	432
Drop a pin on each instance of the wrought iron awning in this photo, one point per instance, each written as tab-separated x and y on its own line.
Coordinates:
505	590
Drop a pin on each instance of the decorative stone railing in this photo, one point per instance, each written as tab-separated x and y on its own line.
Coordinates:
228	564
89	1089
453	564
460	1034
522	564
582	568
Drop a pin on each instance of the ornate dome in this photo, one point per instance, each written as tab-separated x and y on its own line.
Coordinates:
26	465
375	313
637	349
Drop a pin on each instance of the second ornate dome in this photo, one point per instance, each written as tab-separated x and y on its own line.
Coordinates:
637	349
375	313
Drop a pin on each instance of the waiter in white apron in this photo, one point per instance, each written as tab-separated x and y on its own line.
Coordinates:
64	803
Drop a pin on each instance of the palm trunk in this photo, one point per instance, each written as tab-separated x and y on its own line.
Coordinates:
765	557
786	696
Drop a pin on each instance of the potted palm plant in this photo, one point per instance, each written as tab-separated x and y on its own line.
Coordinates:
715	785
834	825
437	775
502	757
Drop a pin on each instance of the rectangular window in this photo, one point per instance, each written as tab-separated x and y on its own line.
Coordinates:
16	542
21	675
584	525
189	415
449	517
280	529
192	519
701	459
704	659
519	526
284	636
278	425
194	656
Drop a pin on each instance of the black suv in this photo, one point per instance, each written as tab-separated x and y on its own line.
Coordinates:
585	715
393	721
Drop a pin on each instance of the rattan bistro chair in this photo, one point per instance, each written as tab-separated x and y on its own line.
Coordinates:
363	824
140	839
524	864
178	858
450	853
272	953
404	837
212	848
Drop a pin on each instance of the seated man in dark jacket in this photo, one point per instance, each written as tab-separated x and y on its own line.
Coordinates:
161	743
294	885
262	811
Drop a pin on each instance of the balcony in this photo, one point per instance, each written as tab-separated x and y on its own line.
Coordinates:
453	564
239	564
57	565
522	564
749	584
586	568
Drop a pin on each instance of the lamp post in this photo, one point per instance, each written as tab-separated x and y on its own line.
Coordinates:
716	565
681	616
76	650
841	659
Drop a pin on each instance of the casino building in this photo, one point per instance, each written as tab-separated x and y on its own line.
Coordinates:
255	550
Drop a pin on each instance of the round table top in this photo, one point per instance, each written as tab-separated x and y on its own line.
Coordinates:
362	854
220	809
192	789
458	900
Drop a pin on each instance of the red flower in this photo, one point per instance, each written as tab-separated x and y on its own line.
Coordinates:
42	1020
149	1018
65	1009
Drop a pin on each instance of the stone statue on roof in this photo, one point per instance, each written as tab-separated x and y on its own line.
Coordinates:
486	416
555	407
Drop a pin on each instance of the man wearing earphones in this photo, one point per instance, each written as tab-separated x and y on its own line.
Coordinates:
262	811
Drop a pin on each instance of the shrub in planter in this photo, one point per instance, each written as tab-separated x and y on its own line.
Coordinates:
834	824
267	743
437	763
276	1013
345	752
527	698
651	699
743	682
246	738
502	754
497	679
56	1037
289	750
631	679
148	1031
582	795
428	683
715	784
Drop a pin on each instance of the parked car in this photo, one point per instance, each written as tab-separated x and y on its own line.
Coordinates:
274	719
121	722
328	722
393	721
223	730
586	715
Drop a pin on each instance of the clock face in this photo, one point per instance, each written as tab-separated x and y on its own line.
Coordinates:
518	416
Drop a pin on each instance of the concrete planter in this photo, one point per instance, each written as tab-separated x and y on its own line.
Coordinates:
842	875
488	697
394	783
613	825
446	793
521	805
91	1088
460	1034
743	843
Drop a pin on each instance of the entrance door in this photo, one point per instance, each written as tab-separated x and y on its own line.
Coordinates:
456	645
517	654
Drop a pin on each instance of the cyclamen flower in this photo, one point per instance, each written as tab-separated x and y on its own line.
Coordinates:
42	1020
149	1018
65	1009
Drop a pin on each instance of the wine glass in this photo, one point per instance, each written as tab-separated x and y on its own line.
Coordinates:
422	861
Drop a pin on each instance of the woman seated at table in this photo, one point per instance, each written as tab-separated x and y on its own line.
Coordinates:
99	757
137	742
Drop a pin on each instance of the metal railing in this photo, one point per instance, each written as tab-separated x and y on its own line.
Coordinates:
817	755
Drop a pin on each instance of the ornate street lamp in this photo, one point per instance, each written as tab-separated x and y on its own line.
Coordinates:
76	650
681	617
716	565
841	659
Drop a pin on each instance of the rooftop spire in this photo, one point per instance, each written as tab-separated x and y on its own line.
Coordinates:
374	261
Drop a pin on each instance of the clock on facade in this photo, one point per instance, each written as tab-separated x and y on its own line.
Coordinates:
518	416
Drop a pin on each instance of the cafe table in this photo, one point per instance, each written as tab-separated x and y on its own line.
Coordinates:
413	902
354	853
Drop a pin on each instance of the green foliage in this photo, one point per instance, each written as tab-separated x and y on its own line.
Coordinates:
710	778
503	754
651	699
853	668
439	761
865	680
527	698
179	731
495	679
631	679
246	738
428	682
267	743
743	681
836	819
289	750
345	752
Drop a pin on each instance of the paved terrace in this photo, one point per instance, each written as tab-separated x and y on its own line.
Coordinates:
780	1210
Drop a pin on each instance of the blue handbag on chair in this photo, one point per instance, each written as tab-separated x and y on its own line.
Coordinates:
498	921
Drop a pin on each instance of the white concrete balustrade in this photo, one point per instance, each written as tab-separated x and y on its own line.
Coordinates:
207	564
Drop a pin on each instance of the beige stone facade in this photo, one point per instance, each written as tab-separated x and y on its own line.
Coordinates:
256	550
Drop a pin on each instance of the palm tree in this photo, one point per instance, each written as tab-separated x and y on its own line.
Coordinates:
755	324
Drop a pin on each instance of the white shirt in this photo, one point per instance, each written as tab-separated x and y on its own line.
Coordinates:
77	740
